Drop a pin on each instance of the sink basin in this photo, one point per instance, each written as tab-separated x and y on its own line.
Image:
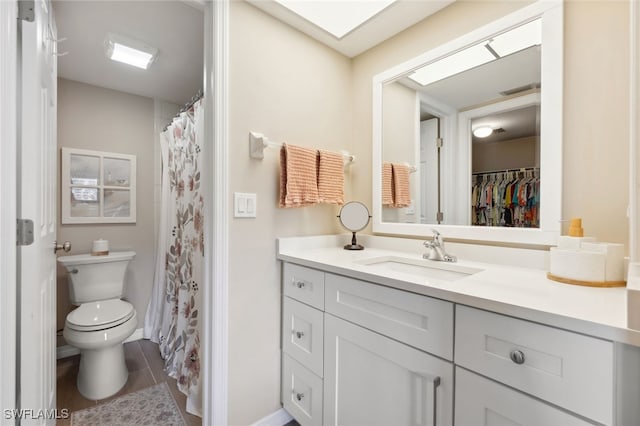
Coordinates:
419	267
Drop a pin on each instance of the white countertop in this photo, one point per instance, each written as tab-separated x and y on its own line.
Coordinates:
517	291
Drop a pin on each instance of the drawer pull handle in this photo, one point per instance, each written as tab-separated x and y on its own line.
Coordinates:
299	396
299	284
298	334
436	384
517	356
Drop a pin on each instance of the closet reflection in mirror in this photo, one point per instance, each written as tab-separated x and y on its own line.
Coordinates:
505	169
428	118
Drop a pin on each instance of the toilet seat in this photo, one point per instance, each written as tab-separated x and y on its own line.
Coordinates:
100	315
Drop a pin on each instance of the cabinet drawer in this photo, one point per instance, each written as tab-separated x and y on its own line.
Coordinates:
419	321
301	393
302	334
567	369
303	284
482	402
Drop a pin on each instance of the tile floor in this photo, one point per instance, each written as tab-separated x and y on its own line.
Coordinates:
145	369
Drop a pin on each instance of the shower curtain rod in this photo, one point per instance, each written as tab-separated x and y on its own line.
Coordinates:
186	107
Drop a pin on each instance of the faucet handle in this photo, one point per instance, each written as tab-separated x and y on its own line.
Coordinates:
437	237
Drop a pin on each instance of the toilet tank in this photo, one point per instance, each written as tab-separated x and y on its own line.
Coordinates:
94	278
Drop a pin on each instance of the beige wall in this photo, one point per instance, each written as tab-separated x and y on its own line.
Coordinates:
99	119
596	90
399	132
511	154
294	90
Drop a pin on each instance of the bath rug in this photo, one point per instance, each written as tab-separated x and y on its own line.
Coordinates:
150	406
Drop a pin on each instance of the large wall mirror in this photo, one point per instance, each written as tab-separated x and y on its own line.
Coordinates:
468	136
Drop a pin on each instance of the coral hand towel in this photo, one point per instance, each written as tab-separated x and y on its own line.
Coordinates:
298	176
330	177
387	185
401	193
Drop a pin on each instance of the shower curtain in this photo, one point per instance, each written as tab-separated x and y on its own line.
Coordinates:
174	313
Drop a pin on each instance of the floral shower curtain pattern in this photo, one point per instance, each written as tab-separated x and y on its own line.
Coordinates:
174	314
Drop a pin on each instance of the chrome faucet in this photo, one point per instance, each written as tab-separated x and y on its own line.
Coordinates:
436	249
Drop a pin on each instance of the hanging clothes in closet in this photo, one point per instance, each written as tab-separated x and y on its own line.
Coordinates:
510	198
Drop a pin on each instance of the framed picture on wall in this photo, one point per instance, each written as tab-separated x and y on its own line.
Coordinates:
98	187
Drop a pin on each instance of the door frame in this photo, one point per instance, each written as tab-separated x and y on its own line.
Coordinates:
8	194
216	225
215	332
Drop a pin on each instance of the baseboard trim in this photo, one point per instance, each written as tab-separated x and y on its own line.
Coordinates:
67	350
277	418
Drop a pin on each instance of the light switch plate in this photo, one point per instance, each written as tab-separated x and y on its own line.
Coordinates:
244	205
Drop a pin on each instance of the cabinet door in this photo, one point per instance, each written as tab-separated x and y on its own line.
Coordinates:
373	380
482	402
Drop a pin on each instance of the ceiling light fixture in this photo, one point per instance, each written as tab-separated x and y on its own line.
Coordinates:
338	18
482	131
123	49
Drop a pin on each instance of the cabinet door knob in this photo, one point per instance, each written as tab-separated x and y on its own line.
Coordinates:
298	334
517	356
299	396
299	284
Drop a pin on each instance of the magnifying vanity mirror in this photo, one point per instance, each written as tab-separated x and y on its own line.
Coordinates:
478	121
354	216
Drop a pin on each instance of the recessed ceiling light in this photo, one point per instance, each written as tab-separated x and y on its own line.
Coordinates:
482	131
338	18
133	52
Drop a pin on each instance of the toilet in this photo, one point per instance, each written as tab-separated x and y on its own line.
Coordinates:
101	322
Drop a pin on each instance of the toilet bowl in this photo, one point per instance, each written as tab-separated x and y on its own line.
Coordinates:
101	322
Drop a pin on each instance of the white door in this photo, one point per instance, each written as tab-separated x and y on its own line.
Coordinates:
37	202
429	171
373	380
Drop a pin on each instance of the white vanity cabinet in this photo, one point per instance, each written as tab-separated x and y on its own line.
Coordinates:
482	402
302	343
566	369
359	353
376	362
373	380
377	369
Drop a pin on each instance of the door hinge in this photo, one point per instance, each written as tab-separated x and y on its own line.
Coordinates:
440	217
26	10
439	142
24	228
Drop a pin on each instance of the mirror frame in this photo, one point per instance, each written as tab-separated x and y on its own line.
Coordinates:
551	14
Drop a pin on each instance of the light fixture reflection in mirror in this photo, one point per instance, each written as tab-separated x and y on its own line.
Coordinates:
354	216
482	132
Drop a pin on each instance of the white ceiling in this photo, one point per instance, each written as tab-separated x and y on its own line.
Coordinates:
393	19
486	82
519	123
176	29
173	27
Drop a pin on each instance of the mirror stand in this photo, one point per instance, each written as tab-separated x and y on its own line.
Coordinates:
354	243
354	216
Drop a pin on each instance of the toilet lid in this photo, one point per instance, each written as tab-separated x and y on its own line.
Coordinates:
100	315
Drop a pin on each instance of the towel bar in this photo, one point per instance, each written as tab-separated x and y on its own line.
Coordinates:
258	142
